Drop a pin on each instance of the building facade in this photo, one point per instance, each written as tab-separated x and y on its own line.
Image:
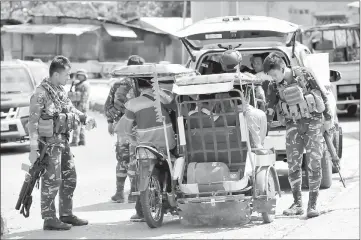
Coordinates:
301	13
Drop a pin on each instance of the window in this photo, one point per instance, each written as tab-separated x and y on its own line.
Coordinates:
39	72
15	79
44	44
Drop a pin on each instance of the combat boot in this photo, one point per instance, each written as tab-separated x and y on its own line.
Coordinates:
73	220
55	224
119	195
312	202
81	143
132	198
296	207
137	218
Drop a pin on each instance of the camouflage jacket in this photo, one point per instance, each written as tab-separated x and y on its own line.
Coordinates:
43	107
84	88
121	91
304	78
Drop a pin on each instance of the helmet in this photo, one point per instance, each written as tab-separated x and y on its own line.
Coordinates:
135	60
82	72
230	59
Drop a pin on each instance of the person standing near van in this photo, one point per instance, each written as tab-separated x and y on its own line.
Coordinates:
304	109
121	92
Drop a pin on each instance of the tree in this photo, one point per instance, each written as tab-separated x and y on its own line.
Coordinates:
116	11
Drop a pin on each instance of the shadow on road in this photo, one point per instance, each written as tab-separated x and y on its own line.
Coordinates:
105	206
350	179
127	230
342	117
12	150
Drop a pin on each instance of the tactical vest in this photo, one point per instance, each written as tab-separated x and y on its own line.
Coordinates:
63	123
297	102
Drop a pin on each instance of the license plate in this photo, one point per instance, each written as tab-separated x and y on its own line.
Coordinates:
213	36
4	127
347	89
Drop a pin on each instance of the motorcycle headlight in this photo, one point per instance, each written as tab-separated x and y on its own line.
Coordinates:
23	112
144	154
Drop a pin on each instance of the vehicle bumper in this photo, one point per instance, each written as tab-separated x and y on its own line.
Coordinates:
13	130
216	210
348	93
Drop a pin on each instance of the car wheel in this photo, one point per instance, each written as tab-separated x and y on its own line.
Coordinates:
326	165
338	143
351	110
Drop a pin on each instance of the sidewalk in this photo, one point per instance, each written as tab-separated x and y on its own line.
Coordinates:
341	221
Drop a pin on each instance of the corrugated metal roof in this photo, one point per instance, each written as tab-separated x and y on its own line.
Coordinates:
73	29
168	25
115	30
27	28
355	4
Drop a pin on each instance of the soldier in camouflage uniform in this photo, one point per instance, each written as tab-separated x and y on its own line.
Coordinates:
301	105
80	99
51	118
122	91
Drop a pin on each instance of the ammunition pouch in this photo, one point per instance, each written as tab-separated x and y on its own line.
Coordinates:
312	103
74	96
46	127
293	95
320	104
66	122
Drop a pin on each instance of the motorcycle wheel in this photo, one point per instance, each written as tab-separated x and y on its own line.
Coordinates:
151	201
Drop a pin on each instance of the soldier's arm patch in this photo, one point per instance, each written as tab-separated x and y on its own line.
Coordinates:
40	98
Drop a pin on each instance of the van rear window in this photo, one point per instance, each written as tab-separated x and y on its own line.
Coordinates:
15	80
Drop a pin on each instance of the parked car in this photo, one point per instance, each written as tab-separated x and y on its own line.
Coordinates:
18	81
342	43
206	40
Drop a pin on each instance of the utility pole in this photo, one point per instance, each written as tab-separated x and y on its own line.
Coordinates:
184	24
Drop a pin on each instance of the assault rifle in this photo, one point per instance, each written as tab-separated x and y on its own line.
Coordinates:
32	177
335	158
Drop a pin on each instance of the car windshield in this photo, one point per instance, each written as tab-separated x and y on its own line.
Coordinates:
39	72
15	80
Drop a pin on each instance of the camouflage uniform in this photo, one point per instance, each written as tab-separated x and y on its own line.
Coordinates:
47	102
121	91
83	89
301	133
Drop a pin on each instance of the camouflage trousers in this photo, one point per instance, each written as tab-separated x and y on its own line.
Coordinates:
60	176
79	134
300	135
125	154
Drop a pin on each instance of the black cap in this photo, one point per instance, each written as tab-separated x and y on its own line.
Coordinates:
135	60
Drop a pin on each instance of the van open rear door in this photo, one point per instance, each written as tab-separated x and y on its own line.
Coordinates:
236	31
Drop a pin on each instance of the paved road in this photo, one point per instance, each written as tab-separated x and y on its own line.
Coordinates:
96	183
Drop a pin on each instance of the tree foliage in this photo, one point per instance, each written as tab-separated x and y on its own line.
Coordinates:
116	11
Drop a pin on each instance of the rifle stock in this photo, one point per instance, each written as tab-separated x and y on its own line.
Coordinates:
25	199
